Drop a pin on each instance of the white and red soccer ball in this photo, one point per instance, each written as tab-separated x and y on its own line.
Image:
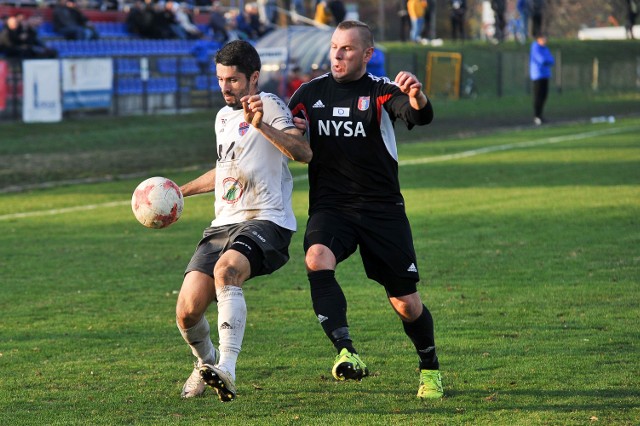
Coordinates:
157	202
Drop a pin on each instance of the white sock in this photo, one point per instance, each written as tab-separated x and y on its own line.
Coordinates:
232	318
199	339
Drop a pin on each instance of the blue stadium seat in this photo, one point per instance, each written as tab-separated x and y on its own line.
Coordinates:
124	66
202	80
125	47
162	85
186	66
129	86
45	30
112	29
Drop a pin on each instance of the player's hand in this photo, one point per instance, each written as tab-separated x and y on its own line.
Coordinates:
301	124
252	106
409	84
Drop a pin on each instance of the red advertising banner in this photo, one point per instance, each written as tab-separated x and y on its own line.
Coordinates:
4	74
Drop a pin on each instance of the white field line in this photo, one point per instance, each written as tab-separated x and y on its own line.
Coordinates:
64	210
510	146
86	207
424	160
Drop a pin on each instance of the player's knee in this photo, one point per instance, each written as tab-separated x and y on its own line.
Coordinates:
411	314
187	315
228	273
318	258
408	308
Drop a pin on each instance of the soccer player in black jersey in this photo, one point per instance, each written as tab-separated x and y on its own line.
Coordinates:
355	199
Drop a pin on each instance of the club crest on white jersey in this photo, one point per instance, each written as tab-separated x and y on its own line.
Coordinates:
233	190
243	128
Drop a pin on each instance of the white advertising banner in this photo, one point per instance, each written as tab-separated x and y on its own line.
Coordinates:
41	91
86	83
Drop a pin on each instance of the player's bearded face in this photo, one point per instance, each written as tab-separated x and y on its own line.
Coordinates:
348	55
233	84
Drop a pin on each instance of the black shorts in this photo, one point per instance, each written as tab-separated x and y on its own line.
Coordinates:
384	238
265	244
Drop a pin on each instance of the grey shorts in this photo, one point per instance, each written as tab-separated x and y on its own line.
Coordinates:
271	240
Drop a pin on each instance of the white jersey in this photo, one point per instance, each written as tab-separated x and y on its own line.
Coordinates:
253	180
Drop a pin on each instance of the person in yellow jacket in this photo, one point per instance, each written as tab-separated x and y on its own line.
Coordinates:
416	9
323	14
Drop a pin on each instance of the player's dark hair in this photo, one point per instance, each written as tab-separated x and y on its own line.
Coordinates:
240	54
365	32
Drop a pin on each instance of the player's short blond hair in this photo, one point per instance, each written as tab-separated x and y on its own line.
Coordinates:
366	35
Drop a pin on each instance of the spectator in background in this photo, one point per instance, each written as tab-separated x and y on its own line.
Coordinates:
37	46
107	4
268	11
632	14
322	14
249	22
376	65
405	21
524	10
488	20
499	9
457	11
10	37
71	23
540	62
233	17
298	7
218	23
140	19
166	23
244	22
416	10
184	18
426	29
19	39
537	10
338	11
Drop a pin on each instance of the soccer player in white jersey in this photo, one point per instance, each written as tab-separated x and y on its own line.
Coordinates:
254	221
355	200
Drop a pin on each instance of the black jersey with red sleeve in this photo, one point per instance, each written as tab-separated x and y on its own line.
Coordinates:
355	158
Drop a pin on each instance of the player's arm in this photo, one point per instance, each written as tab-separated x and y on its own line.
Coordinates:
200	185
416	108
411	86
290	142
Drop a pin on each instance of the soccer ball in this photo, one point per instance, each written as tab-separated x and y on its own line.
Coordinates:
157	202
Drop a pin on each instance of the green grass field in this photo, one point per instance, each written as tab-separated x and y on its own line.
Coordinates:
529	248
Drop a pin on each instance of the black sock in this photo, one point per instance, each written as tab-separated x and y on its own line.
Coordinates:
330	307
421	334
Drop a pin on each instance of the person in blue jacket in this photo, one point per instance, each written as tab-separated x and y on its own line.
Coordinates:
540	62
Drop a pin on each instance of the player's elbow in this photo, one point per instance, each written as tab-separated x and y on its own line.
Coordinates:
305	157
302	154
428	118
